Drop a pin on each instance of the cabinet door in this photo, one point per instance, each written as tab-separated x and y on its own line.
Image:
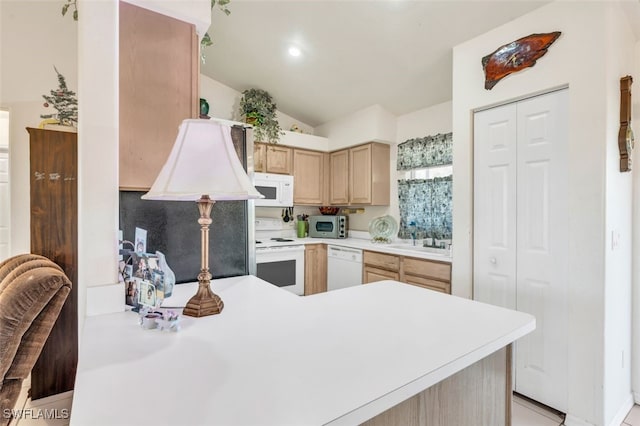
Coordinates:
151	109
360	174
428	283
54	234
259	157
426	268
339	168
382	260
371	274
308	175
315	269
278	159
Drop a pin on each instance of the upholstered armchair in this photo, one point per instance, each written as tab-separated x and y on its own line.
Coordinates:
32	292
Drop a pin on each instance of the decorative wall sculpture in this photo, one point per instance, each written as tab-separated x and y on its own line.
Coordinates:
516	56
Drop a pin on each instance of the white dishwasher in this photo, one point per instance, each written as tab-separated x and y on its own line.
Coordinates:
344	267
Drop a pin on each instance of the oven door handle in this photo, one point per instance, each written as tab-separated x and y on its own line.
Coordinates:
281	249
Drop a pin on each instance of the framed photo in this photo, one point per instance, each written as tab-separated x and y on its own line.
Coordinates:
131	292
147	294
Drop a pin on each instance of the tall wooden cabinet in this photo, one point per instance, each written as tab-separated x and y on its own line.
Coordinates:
54	234
158	89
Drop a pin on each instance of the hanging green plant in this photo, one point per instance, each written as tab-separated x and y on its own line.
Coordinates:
67	5
258	109
206	39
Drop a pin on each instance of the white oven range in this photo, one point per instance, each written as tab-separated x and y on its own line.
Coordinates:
279	258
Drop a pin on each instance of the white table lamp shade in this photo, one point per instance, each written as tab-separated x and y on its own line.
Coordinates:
203	161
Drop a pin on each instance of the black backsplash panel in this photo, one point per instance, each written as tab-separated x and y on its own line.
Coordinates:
172	228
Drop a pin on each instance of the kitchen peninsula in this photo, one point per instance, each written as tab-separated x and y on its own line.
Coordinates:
273	358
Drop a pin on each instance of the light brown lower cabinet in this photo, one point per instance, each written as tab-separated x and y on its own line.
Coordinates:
372	274
425	273
315	269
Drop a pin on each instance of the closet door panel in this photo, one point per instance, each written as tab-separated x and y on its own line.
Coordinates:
542	247
495	206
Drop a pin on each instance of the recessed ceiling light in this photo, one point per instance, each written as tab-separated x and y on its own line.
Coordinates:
294	51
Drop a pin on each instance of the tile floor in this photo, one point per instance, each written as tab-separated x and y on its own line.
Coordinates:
526	413
633	418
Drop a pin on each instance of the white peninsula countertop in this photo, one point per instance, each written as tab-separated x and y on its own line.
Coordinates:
273	358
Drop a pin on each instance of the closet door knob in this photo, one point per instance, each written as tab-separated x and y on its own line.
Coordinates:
493	260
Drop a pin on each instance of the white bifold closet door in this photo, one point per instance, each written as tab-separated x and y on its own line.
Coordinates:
521	232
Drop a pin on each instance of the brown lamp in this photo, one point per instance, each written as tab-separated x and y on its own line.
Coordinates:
203	166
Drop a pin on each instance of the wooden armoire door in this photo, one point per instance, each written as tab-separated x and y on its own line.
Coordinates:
54	234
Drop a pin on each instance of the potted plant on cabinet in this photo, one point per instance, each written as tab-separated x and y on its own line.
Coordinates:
258	109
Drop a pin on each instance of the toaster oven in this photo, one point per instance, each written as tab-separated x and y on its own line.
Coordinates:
328	226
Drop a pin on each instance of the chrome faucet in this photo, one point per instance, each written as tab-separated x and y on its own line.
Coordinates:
414	232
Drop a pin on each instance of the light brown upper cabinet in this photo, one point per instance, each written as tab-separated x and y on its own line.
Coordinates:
158	89
270	158
360	175
339	177
309	177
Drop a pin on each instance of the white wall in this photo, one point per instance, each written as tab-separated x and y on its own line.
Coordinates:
424	122
33	38
577	60
619	62
98	158
635	350
4	129
224	103
373	123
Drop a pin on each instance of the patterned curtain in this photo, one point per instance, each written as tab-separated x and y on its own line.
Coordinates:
427	202
426	152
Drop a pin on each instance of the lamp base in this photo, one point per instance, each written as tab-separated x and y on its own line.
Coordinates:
204	303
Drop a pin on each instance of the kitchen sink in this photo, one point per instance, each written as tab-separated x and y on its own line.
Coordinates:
421	249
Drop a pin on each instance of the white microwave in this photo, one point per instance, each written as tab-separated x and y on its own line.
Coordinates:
277	190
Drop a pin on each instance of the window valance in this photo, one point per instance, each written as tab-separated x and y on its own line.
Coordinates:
428	151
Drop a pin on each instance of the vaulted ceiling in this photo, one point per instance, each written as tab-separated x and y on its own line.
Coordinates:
395	53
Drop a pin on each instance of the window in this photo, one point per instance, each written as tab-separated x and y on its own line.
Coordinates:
425	178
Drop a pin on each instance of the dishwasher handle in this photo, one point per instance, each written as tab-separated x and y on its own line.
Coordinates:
346	253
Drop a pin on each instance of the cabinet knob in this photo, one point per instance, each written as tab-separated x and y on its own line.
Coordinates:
493	260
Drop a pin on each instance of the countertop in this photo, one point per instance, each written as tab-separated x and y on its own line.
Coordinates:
367	244
273	358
